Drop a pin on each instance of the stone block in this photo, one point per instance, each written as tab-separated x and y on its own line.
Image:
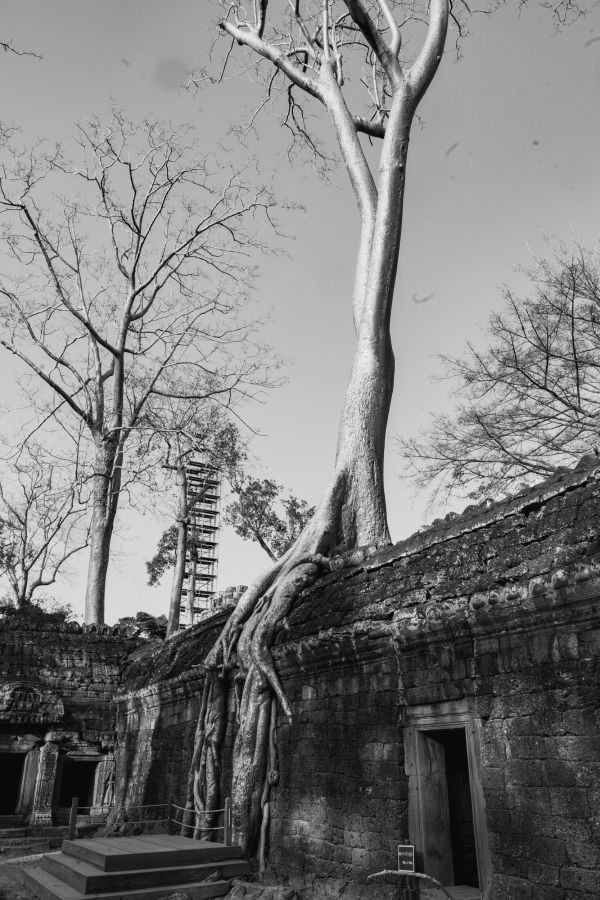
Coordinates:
534	800
581	880
524	772
504	887
571	830
546	892
586	855
543	873
559	772
578	748
534	747
569	802
361	859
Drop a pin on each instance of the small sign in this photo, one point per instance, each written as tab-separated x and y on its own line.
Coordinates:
406	858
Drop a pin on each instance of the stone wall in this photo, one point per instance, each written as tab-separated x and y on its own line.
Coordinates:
157	714
62	674
484	626
57	690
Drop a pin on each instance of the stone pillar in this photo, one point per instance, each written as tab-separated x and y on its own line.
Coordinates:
28	783
43	799
104	785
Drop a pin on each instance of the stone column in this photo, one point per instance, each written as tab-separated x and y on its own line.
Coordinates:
104	785
41	814
28	783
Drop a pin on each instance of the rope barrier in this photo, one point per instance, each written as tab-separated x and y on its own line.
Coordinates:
203	812
191	825
148	806
124	817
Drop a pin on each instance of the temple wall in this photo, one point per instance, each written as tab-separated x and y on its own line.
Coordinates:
462	662
58	717
157	715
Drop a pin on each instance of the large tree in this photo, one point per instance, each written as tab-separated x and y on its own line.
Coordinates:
323	52
124	272
529	400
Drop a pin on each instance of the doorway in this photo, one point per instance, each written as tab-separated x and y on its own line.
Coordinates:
77	779
446	814
11	766
449	850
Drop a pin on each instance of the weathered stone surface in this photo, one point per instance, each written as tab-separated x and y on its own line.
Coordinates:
55	675
249	891
57	688
178	896
495	612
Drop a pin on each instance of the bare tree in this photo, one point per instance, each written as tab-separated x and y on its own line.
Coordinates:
263	513
123	274
9	46
323	51
42	518
188	434
530	400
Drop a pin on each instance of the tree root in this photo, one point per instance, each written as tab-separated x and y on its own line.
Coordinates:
244	647
255	765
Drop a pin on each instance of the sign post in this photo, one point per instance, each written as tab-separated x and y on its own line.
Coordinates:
406	858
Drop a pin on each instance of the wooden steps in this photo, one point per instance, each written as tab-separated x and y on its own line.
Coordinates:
140	868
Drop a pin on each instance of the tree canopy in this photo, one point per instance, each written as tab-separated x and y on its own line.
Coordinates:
42	521
125	269
262	512
528	400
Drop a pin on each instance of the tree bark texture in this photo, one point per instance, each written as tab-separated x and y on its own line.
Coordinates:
105	493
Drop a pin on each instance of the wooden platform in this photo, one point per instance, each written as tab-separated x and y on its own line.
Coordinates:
135	868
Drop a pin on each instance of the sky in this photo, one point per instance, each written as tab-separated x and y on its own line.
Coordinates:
504	153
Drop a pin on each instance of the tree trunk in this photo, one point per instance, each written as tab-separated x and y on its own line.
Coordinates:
353	512
104	499
180	554
193	553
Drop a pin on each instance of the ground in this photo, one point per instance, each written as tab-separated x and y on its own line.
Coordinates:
10	879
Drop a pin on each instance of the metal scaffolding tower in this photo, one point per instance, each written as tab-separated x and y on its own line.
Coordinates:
198	592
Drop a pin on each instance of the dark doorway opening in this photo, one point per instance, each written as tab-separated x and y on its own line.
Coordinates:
77	778
460	806
11	766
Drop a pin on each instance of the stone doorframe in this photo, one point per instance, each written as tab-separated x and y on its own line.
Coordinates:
27	747
442	716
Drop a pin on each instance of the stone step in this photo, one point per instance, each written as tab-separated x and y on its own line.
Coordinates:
46	886
11	821
48	830
39	845
8	833
89	879
147	851
21	841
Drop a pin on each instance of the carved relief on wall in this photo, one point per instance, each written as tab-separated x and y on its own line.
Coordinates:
21	701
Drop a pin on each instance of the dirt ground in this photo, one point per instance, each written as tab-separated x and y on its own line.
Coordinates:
10	879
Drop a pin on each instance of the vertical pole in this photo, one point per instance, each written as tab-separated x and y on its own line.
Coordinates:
193	554
227	822
169	818
73	818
